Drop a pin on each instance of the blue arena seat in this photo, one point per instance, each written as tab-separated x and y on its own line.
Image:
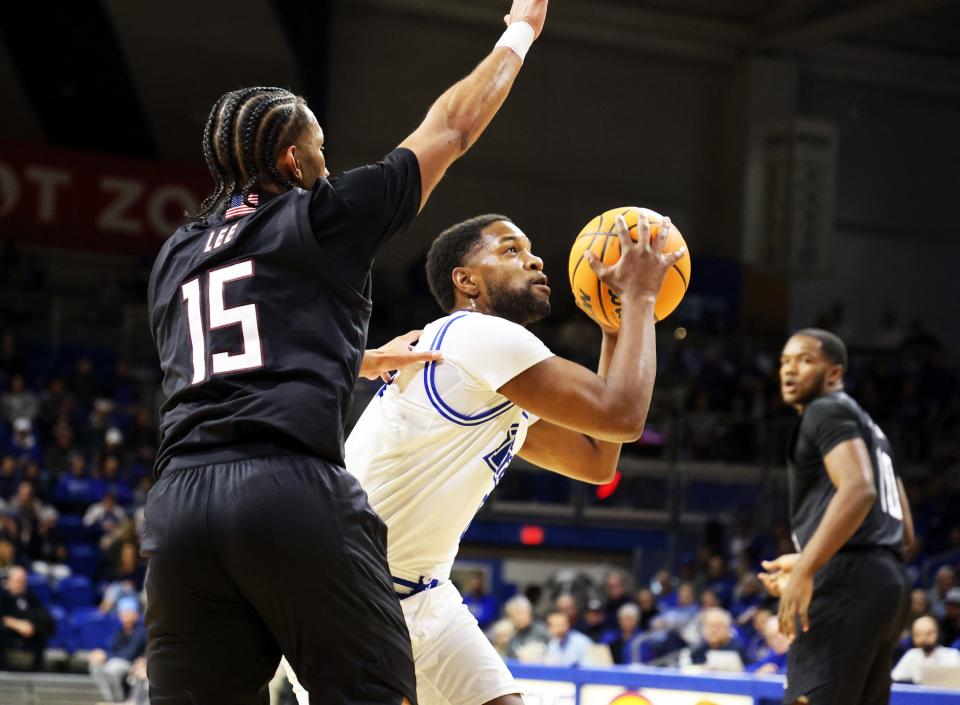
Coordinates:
84	559
73	491
76	592
70	529
94	630
40	586
64	635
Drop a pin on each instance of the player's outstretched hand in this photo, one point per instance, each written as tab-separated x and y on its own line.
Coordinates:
533	12
777	573
395	355
639	271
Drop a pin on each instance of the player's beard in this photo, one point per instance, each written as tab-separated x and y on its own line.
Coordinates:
521	306
816	390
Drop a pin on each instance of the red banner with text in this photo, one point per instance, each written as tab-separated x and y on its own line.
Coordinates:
92	201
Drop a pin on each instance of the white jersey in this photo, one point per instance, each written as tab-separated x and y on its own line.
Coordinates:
434	443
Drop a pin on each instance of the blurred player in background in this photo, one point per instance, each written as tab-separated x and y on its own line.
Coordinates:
846	588
259	310
434	443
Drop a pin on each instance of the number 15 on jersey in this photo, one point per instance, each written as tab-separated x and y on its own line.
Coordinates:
245	316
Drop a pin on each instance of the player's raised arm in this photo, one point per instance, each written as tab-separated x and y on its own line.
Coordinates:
458	117
612	408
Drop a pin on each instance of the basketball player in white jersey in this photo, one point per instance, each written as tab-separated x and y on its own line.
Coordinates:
435	441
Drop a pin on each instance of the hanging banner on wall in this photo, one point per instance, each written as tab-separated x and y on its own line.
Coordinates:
92	201
615	695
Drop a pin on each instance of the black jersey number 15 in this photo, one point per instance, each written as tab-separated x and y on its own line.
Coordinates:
220	317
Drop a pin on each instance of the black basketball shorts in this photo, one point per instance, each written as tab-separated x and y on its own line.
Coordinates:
859	608
268	556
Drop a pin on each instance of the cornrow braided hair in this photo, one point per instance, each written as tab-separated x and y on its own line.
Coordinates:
240	141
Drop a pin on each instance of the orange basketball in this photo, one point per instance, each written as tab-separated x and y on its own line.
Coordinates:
593	296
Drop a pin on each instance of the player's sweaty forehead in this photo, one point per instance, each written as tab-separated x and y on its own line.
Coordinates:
799	345
503	234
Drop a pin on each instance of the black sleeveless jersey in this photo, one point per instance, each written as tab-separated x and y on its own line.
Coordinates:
827	422
260	318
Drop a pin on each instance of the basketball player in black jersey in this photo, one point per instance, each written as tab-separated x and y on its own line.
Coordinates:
260	541
846	587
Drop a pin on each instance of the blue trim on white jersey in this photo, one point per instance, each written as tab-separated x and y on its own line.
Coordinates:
433	395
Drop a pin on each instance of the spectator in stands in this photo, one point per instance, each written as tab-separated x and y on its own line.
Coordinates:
628	627
25	624
616	588
529	635
100	419
139	685
126	577
112	476
567	647
675	628
919	605
500	635
23	444
35	520
950	624
678	619
109	669
756	647
105	514
647	603
8	557
9	479
943	581
111	543
719	580
744	545
18	401
749	593
567	603
482	605
663	587
593	623
40	479
717	635
708	599
777	647
113	443
926	651
54	401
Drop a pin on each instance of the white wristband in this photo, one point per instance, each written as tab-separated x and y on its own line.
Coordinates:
518	37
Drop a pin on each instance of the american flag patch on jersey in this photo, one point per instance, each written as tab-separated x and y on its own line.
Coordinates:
238	207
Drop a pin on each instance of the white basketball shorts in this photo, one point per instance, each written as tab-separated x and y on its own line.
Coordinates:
455	663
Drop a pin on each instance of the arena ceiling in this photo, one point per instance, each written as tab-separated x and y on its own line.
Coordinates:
131	78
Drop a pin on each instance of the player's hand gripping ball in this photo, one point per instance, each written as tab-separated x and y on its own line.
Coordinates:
594	297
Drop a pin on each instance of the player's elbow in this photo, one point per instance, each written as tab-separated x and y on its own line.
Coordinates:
604	476
866	495
630	426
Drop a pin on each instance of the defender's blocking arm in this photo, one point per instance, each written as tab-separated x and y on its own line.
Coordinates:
459	116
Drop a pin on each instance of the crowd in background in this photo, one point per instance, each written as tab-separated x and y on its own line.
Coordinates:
686	621
78	438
